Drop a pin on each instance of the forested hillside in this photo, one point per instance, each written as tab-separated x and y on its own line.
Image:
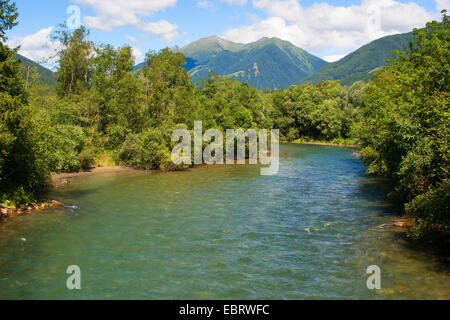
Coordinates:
277	64
32	71
265	64
361	64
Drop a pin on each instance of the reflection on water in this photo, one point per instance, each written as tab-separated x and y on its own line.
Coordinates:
221	232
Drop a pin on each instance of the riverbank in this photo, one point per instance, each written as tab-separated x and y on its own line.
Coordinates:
327	144
6	211
58	180
62	179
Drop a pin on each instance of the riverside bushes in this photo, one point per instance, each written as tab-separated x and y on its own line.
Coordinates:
405	128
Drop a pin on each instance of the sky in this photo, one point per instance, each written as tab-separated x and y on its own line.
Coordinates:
328	29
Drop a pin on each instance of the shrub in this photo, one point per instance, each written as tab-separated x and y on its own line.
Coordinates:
145	150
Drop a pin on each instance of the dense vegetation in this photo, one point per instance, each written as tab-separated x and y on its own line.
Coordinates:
405	128
102	111
32	71
326	112
361	64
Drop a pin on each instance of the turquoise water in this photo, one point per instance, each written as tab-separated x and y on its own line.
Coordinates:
220	232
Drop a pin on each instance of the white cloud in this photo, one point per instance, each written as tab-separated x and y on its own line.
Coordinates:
131	39
163	29
204	4
333	58
38	46
235	2
138	55
209	4
443	4
118	13
336	30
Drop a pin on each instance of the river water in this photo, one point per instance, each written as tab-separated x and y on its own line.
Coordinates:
220	232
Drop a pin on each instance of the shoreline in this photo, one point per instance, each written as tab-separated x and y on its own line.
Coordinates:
64	178
325	144
58	180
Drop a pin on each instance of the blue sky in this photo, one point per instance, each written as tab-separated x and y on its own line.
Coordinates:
329	29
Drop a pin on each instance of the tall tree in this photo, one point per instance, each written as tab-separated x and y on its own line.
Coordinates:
20	169
75	57
406	127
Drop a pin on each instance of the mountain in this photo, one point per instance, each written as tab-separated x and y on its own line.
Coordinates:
269	63
360	64
264	64
46	76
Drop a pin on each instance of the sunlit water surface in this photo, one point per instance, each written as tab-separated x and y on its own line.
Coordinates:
220	232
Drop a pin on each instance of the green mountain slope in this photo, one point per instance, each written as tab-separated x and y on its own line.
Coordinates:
46	76
360	64
265	64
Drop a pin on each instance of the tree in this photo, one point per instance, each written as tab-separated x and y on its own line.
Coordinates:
21	171
8	17
324	112
169	91
75	57
405	131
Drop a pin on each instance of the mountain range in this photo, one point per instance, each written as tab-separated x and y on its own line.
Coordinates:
272	63
267	63
359	65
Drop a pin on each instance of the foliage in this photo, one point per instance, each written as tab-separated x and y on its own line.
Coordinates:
21	171
74	60
405	131
325	112
32	71
8	18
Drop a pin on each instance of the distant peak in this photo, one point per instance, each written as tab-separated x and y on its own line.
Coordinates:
274	40
215	38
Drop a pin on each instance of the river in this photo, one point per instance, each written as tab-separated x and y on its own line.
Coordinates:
220	232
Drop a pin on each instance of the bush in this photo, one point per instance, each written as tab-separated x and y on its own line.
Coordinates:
405	128
116	136
433	213
87	157
16	198
61	147
146	150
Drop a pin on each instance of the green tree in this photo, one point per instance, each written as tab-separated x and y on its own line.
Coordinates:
169	92
405	132
75	57
8	17
21	171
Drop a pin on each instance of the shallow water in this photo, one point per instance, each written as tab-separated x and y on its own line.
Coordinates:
220	232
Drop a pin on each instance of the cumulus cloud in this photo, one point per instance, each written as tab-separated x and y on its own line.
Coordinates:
209	4
322	27
38	47
333	57
237	2
118	13
138	55
443	4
